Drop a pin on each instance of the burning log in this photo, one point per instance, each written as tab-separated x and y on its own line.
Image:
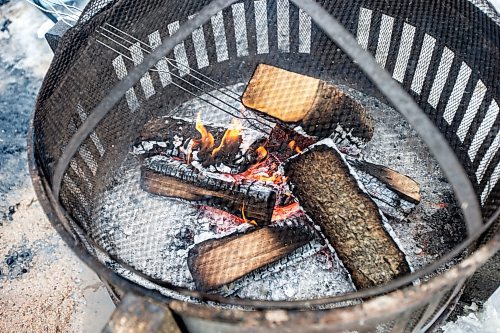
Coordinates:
349	218
284	142
172	178
395	194
316	106
216	262
170	136
210	146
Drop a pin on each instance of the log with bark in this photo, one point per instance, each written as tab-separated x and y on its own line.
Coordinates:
216	262
318	107
330	193
395	194
168	177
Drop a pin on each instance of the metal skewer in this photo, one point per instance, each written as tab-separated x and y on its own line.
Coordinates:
113	36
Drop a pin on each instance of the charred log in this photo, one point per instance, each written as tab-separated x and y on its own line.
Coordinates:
170	136
177	137
348	217
172	178
216	262
406	187
315	105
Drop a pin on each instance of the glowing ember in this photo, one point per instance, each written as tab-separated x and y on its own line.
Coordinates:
207	140
285	212
261	153
293	146
230	136
266	171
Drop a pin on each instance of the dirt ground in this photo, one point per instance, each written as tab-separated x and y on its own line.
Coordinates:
44	287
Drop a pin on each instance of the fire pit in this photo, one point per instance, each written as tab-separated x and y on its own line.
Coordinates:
253	175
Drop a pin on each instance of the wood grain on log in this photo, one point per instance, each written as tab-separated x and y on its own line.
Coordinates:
386	185
168	177
311	103
348	217
216	262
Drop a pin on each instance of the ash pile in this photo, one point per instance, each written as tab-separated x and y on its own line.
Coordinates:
311	190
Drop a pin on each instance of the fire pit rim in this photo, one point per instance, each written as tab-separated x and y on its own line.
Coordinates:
58	221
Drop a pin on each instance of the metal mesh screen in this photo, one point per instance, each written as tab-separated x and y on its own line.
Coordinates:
444	53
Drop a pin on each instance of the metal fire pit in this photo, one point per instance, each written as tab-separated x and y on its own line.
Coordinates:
441	64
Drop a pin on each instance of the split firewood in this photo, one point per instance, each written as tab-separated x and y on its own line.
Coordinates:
216	262
211	146
330	193
168	177
318	107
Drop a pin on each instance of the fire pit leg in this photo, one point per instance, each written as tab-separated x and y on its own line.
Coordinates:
138	315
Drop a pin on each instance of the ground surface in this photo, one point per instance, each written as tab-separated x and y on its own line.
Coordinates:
43	286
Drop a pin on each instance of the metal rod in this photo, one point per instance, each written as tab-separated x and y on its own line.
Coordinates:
170	59
171	63
177	85
187	82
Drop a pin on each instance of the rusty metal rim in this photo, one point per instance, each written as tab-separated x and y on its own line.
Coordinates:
376	309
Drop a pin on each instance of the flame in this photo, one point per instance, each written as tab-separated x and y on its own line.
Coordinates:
244	217
261	153
207	139
230	136
293	146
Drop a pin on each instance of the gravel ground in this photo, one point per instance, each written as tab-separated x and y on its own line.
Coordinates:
44	287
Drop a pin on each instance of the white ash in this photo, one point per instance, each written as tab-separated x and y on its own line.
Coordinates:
344	139
310	270
154	234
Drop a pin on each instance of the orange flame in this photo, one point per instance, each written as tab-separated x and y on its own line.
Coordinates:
261	153
244	217
293	146
230	136
207	139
